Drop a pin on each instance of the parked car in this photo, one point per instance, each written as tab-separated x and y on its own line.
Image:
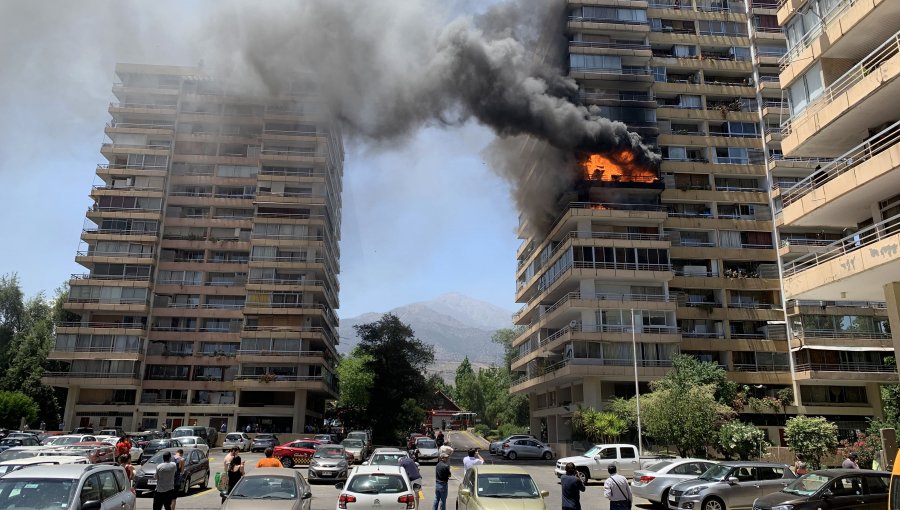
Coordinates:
24	440
526	449
593	464
385	457
492	487
8	466
377	488
654	482
141	439
834	489
731	485
136	451
411	440
326	438
157	445
210	434
426	450
114	431
239	439
355	446
63	440
329	462
196	471
75	486
363	435
83	430
194	442
495	446
263	441
296	452
270	488
98	452
22	452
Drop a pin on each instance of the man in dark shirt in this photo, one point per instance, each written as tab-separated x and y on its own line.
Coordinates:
412	470
441	479
571	486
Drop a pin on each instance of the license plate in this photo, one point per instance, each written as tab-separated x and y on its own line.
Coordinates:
151	482
327	473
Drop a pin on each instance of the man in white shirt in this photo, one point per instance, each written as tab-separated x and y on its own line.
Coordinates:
473	459
616	489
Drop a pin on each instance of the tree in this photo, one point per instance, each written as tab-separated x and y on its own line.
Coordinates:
14	406
741	440
505	338
682	418
812	437
596	426
356	379
687	371
399	362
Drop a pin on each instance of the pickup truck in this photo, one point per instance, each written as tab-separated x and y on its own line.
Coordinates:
593	464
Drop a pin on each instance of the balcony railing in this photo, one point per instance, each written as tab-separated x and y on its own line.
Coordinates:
597	44
761	367
880	55
275	352
863	152
617	21
137	125
143	106
88	276
275	377
827	333
877	305
824	21
625	71
869	235
120	232
105	325
94	375
104	348
845	367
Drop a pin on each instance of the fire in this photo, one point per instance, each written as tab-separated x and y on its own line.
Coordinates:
616	167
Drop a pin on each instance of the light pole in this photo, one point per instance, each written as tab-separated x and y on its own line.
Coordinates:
637	390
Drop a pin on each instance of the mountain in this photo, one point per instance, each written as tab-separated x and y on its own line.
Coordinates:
455	324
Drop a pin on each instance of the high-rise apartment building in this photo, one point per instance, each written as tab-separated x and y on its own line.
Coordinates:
685	253
211	259
837	193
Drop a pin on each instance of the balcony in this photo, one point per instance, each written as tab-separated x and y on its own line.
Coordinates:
280	356
864	96
578	368
845	372
855	268
609	48
626	74
288	382
840	193
592	24
91	379
831	339
142	108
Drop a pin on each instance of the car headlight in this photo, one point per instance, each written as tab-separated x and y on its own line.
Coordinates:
342	464
139	472
693	491
783	507
313	463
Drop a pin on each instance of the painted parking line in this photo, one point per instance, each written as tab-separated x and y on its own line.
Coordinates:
202	492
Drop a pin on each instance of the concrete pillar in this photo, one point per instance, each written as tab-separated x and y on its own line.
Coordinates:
873	391
299	412
593	397
136	414
892	296
69	411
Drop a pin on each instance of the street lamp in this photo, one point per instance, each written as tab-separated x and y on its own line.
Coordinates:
637	390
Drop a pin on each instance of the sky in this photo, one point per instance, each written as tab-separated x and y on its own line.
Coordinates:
420	218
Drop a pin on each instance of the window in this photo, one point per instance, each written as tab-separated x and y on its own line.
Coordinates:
806	89
769	473
627	452
608	453
90	491
847	486
744	474
604	62
108	486
877	484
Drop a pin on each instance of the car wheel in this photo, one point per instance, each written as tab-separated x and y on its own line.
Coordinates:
713	504
287	462
583	475
511	455
664	502
186	485
547	456
205	483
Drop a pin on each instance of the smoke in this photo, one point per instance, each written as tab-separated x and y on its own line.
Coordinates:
386	68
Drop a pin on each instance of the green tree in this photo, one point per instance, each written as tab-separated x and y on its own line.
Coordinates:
399	362
356	379
505	338
596	426
740	440
14	406
812	437
12	312
687	371
683	418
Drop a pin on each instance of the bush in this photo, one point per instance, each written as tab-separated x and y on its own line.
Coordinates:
741	440
811	437
481	429
508	429
596	426
865	446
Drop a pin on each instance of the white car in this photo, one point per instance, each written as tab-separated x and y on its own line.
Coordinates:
8	466
194	442
377	488
239	439
22	452
68	439
426	450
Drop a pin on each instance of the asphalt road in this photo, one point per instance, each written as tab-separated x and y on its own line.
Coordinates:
325	495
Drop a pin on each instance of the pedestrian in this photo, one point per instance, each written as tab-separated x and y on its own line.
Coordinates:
439	439
234	451
441	480
571	487
850	461
223	428
165	483
412	470
43	425
235	473
616	489
123	446
178	459
473	459
269	460
248	429
125	462
800	467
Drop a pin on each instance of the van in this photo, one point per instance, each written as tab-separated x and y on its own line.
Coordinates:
208	433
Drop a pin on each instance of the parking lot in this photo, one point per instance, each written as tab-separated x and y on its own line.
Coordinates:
325	495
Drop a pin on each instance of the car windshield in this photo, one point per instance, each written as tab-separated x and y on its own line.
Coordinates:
18	454
352	443
806	485
158	443
11	442
715	473
156	459
264	437
376	483
426	443
67	440
386	458
36	493
265	487
329	453
659	466
506	486
592	452
233	437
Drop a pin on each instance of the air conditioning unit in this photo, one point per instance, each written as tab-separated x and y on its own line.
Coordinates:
573	324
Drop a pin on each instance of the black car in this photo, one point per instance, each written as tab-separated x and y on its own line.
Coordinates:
157	445
263	441
833	489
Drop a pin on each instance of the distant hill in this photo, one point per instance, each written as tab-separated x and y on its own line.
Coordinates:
455	324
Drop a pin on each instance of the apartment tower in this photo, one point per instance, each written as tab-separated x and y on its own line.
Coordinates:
685	254
211	259
836	190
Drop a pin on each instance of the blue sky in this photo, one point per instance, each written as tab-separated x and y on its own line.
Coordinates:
419	220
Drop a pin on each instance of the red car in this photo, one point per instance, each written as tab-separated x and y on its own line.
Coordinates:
296	452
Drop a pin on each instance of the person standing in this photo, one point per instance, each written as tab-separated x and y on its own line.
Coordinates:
473	459
616	489
235	473
850	461
441	481
165	483
178	459
800	467
412	470
571	487
123	446
125	462
268	461
439	439
223	428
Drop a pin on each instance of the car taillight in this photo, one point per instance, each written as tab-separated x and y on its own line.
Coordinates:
344	499
409	499
646	479
505	445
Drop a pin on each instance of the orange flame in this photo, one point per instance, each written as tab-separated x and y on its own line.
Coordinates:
617	167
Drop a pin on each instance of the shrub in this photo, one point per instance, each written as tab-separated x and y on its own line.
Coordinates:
811	437
481	429
741	440
508	429
866	446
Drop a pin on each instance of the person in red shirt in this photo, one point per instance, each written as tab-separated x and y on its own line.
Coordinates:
123	447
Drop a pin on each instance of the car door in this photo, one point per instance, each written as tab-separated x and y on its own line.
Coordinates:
90	489
193	468
463	501
528	448
628	461
743	492
771	479
876	491
128	497
110	496
604	458
845	493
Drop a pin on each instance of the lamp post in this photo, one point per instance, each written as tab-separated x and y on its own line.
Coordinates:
637	391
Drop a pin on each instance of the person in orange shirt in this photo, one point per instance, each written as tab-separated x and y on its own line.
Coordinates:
269	461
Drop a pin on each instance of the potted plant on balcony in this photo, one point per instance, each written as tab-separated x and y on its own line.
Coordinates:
267	377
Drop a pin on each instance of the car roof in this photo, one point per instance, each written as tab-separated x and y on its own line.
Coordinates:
499	469
841	472
190	437
752	463
287	473
60	471
42	460
30	447
368	470
387	450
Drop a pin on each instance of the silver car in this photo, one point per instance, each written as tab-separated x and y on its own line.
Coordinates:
269	488
328	463
81	486
356	447
238	439
731	485
377	488
495	446
654	482
526	449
